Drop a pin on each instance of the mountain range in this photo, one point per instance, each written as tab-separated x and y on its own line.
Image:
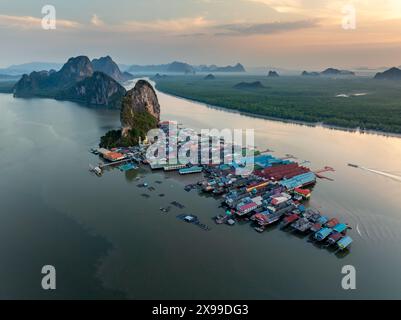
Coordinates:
329	72
182	67
81	80
26	68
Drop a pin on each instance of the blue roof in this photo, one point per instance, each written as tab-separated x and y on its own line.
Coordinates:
323	220
344	242
301	208
264	161
191	169
323	233
299	180
341	227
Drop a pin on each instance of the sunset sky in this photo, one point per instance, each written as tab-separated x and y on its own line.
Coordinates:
297	34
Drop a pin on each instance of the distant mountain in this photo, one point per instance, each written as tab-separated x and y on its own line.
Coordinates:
213	68
390	74
158	76
7	77
310	74
148	68
174	67
273	74
209	77
336	72
109	67
24	68
182	67
48	83
329	72
123	67
99	89
127	76
76	81
249	85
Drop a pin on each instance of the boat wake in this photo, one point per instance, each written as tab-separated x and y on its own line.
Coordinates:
377	228
383	173
372	227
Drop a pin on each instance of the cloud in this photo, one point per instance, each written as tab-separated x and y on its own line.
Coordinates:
245	29
284	6
366	9
96	21
166	26
29	22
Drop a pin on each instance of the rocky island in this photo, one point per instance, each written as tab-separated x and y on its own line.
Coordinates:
273	74
80	80
140	112
390	74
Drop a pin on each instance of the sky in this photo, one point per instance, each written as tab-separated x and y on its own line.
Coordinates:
292	34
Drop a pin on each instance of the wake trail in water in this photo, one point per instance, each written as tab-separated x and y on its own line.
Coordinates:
382	173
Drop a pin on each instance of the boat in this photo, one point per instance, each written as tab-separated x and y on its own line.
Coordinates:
220	219
323	234
165	210
190	218
353	165
333	238
290	219
332	223
344	243
97	170
259	229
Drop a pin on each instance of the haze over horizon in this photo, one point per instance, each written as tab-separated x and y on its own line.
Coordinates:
292	34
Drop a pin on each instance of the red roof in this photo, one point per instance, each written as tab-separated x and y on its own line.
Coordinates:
332	223
280	172
248	206
291	218
304	192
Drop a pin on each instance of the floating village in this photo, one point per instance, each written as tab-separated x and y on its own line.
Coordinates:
277	192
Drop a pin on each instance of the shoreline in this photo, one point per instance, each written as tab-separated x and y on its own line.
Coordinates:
288	121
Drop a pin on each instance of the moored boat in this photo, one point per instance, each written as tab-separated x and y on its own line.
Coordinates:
220	219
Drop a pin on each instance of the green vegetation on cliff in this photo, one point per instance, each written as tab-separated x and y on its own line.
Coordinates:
348	102
143	122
